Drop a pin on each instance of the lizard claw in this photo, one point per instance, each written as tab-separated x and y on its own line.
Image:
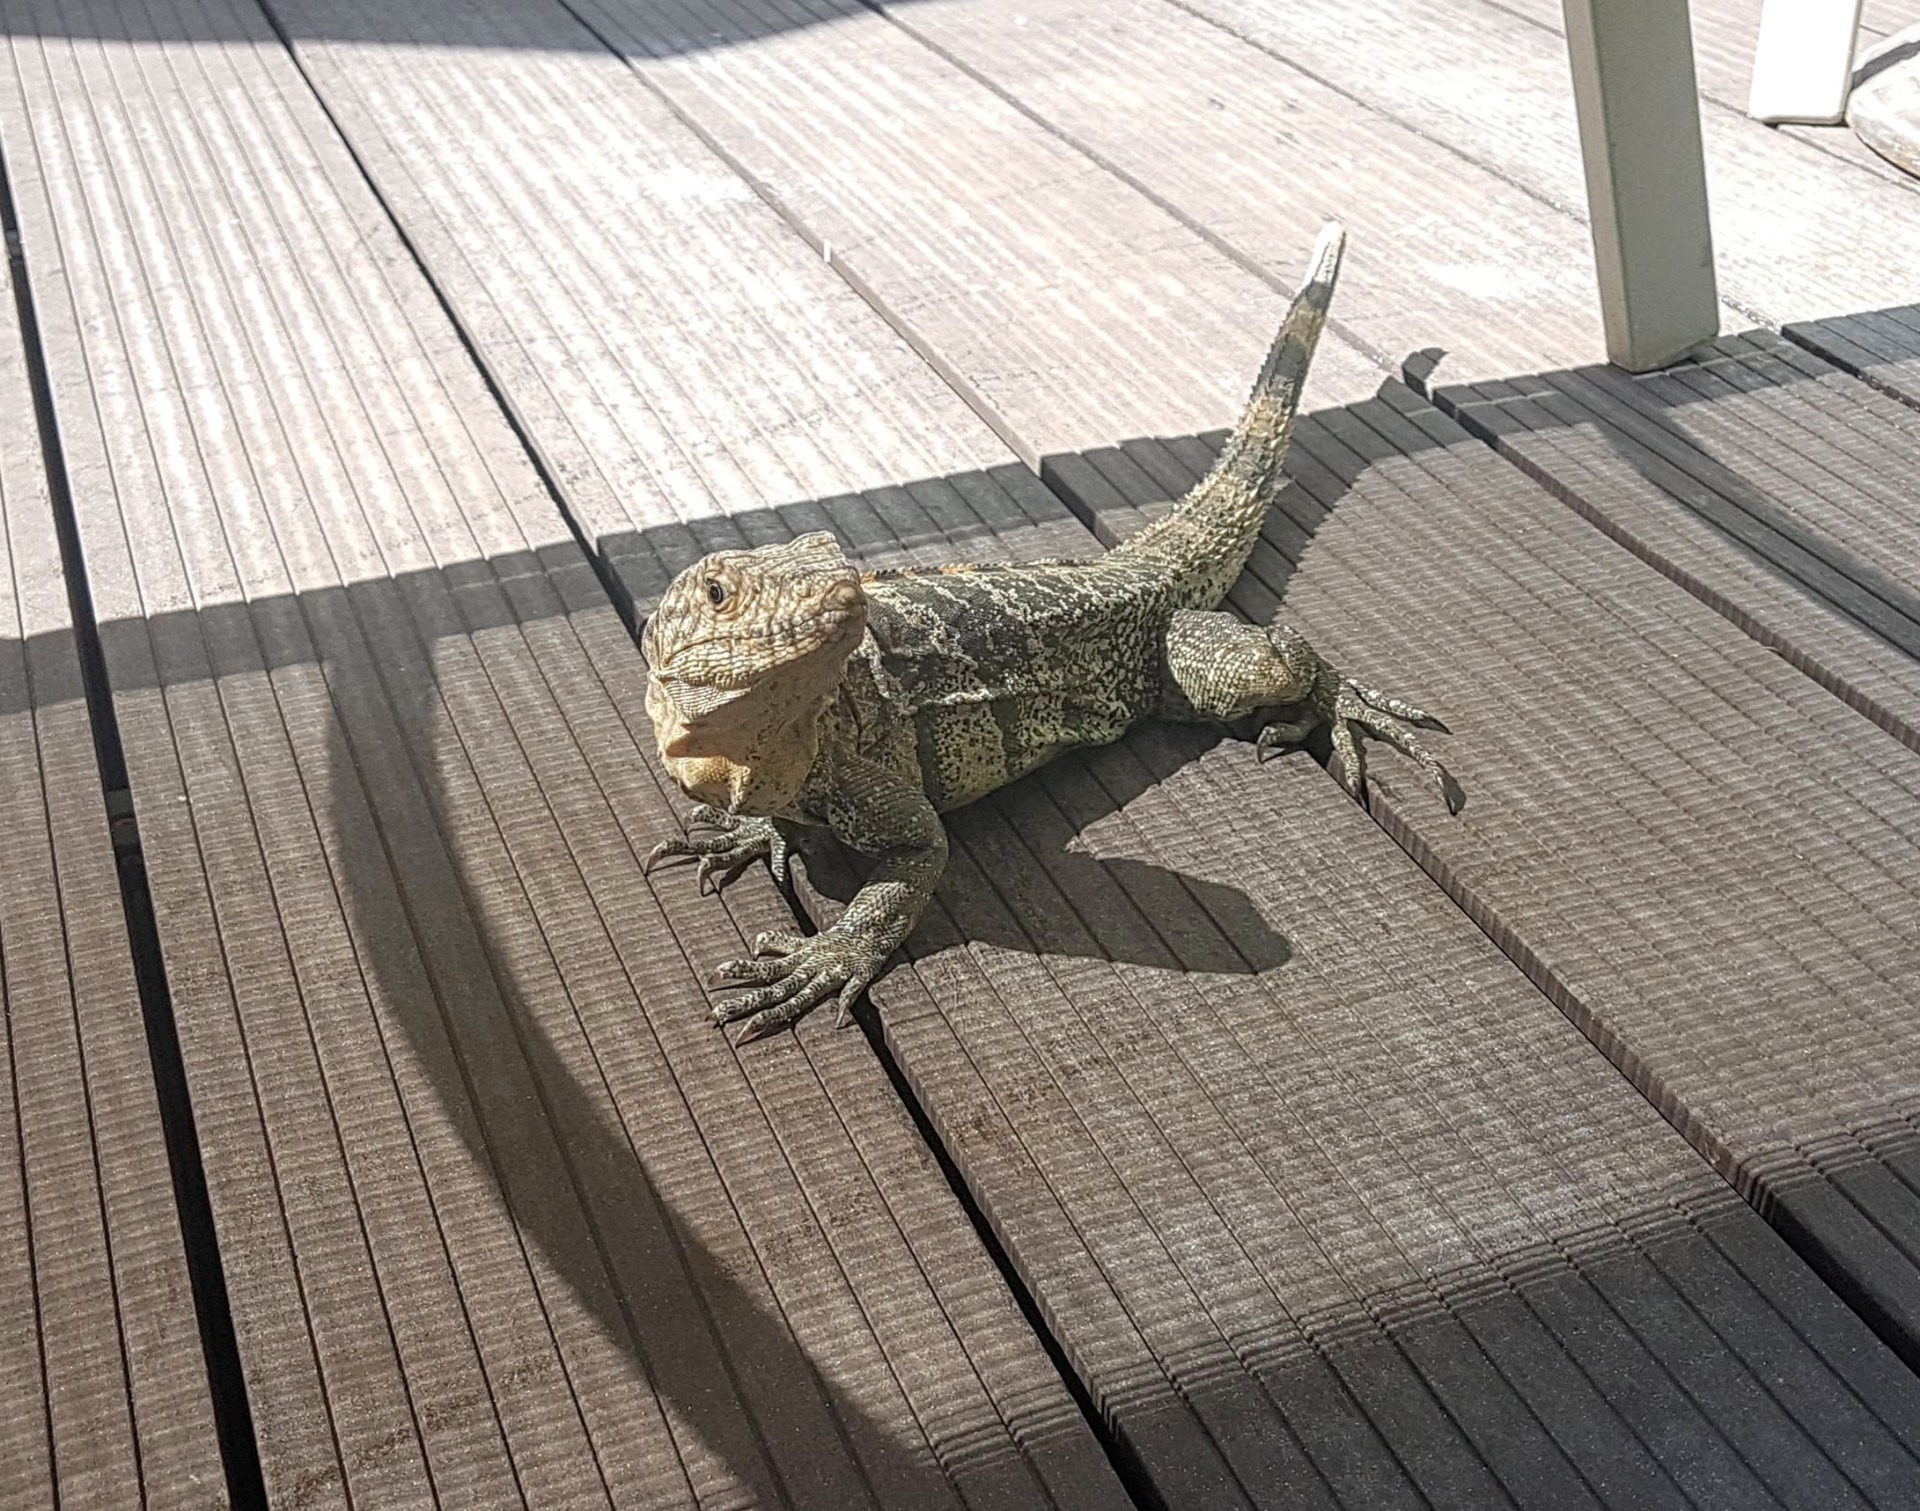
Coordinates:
1351	709
732	844
790	984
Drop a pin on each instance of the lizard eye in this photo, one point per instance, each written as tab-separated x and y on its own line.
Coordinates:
716	593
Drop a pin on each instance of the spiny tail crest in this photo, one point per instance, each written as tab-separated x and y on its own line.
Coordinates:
1208	537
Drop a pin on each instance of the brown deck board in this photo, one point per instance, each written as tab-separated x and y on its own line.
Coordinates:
504	1220
1779	490
1767	483
1318	1218
106	1399
1702	857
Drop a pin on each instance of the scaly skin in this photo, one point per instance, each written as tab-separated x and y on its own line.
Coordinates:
788	689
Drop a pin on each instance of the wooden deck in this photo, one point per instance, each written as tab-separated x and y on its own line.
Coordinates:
1218	1142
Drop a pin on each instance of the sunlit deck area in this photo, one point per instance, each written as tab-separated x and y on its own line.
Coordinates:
368	367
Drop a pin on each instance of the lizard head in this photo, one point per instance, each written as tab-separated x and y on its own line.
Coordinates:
743	655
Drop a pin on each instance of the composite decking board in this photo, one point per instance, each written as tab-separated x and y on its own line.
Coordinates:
1880	346
972	1026
1796	235
1422	837
1066	1199
1772	485
1762	580
998	244
1444	253
1456	1401
377	781
1604	711
546	186
106	1397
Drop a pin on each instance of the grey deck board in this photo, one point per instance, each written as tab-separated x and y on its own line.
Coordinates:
1770	485
1323	1201
105	1398
998	244
1797	234
1724	35
1325	1261
1256	150
594	245
1880	346
1779	490
1697	852
1318	1219
1321	1166
504	1221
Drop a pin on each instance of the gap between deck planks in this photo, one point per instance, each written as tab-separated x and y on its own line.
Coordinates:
1079	1082
503	1217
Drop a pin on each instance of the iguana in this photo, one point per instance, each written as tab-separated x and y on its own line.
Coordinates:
788	688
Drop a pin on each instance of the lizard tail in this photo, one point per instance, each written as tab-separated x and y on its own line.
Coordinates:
1206	540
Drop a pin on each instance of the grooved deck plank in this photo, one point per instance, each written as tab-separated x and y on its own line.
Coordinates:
1772	486
1707	861
1796	234
106	1399
998	244
1258	151
1881	346
1417	1222
1312	1215
504	1220
1779	490
548	188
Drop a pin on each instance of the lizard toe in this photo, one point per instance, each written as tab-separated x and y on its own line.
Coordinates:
777	942
751	972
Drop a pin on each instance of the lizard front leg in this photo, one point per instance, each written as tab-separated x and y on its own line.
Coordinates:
882	816
1217	667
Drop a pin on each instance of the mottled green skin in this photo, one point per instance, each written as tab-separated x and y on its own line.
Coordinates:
969	677
972	679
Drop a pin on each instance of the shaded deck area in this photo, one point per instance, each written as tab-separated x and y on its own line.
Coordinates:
1218	1142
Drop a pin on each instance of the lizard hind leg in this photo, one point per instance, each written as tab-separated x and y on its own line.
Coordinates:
1219	668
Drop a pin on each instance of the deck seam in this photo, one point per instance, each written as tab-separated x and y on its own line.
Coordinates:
283	731
536	454
370	638
1221	244
925	349
606	798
